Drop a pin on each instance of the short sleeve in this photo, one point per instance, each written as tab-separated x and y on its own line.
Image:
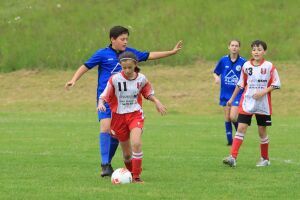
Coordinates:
141	55
243	79
94	60
275	81
147	90
218	68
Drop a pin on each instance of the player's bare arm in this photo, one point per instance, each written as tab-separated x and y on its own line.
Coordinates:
80	71
217	78
265	91
159	106
101	106
234	94
163	54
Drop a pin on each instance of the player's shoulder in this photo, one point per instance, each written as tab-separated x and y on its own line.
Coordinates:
247	63
141	77
225	57
116	76
242	59
269	63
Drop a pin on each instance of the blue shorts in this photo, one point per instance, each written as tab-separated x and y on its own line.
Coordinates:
106	114
234	103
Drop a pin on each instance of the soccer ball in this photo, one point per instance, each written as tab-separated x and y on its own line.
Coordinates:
121	176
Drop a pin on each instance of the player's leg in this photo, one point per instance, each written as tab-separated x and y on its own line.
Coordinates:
108	144
127	154
228	127
263	121
137	153
104	143
244	121
234	115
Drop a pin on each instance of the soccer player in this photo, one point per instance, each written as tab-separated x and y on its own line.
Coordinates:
258	79
106	59
227	71
124	93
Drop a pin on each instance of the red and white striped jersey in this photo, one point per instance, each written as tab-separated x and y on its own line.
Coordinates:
254	79
124	95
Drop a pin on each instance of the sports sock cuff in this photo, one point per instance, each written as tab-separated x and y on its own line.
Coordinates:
239	136
137	155
264	140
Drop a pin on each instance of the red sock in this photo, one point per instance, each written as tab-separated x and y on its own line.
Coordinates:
264	148
236	144
136	167
128	164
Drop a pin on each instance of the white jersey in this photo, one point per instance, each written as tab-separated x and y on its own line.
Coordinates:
124	95
254	79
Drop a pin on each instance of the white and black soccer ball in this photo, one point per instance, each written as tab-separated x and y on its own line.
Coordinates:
121	176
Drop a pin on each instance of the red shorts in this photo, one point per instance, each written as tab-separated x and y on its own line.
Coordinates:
122	124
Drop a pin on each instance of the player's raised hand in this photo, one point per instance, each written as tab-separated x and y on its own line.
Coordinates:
69	84
178	46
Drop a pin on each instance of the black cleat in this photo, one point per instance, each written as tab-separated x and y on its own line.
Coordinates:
107	170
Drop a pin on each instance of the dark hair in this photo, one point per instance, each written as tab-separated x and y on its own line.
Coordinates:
256	43
116	31
128	55
234	40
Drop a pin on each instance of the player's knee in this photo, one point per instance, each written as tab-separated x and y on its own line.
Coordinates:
242	129
136	146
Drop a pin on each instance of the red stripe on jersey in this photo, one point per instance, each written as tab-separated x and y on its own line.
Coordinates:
269	84
147	90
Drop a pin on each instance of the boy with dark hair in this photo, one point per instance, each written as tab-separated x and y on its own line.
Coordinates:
106	59
258	79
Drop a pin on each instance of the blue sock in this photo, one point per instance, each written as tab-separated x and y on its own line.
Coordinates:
112	148
228	128
235	125
104	147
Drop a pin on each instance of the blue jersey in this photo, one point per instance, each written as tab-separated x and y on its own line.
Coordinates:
230	73
108	64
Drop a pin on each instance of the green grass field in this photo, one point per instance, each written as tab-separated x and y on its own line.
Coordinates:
62	34
49	140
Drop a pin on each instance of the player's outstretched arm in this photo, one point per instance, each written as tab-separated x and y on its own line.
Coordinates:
159	106
234	94
163	54
80	71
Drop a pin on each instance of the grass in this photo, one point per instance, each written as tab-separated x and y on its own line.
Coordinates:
49	140
59	35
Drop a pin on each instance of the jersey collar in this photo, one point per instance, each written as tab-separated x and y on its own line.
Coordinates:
117	52
238	56
261	62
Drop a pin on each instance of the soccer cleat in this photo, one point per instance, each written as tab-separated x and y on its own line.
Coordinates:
137	180
230	161
107	170
263	163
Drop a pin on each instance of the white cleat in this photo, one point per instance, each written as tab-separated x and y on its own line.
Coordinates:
263	163
231	161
